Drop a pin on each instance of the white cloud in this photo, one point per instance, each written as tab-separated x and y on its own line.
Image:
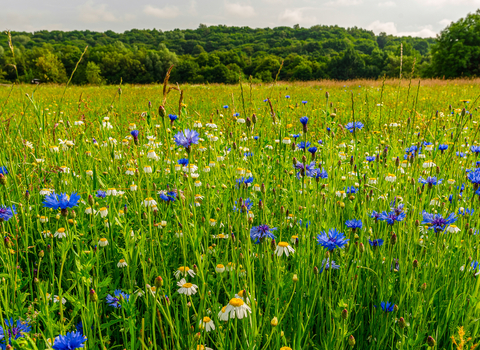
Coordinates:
91	13
387	4
244	11
192	7
445	22
390	28
166	12
296	16
451	2
344	2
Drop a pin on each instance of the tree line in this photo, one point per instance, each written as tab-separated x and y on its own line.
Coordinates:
223	54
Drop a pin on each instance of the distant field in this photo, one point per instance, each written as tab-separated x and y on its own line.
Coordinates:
354	227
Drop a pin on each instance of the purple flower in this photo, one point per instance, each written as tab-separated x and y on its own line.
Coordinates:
376	243
118	298
7	213
186	138
391	217
437	222
352	126
259	233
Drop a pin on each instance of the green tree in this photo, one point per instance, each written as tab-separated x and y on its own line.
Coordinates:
51	69
457	51
92	73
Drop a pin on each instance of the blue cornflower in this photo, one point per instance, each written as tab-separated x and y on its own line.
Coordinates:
304	169
300	222
466	211
118	298
69	341
304	121
255	138
376	243
375	215
259	233
248	154
236	114
331	240
79	327
391	217
246	206
461	154
295	136
287	96
431	180
354	125
437	222
3	170
328	129
370	159
266	100
13	330
474	177
318	173
475	149
351	190
327	265
443	147
183	161
186	138
169	196
244	180
304	102
312	150
173	117
387	306
225	106
134	133
475	265
320	142
7	213
101	194
61	201
302	145
354	224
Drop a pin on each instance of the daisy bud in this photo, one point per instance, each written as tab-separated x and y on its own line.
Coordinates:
333	115
295	278
158	282
274	322
36	280
415	263
41	254
189	304
401	323
431	342
93	295
344	314
351	341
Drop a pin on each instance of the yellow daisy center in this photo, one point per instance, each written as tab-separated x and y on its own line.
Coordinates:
221	235
183	269
187	285
206	319
283	244
61	230
236	302
220	266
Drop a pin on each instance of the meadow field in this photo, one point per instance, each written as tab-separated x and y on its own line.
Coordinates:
321	215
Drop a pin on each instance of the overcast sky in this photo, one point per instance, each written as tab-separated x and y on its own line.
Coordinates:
423	18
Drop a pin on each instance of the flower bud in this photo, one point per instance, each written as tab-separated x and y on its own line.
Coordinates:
254	118
158	282
295	278
90	199
344	314
248	122
3	179
93	295
393	239
315	270
431	342
415	263
41	254
401	323
423	287
351	341
361	247
161	111
274	322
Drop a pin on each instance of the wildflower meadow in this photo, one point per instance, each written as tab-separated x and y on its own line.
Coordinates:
322	215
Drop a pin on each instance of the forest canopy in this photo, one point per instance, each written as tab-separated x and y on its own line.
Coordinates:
221	54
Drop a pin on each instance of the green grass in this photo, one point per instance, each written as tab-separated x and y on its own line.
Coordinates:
417	270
